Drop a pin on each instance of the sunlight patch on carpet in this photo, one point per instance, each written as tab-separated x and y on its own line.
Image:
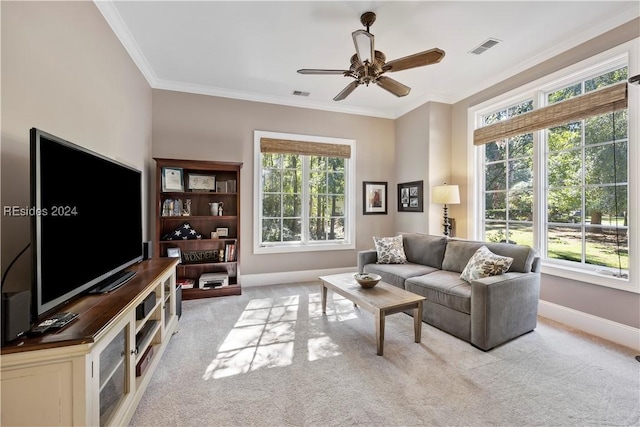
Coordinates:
339	308
322	348
264	335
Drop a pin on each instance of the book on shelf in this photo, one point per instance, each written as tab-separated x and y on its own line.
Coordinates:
186	283
230	252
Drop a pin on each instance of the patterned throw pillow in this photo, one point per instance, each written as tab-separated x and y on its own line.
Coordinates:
485	263
184	232
390	250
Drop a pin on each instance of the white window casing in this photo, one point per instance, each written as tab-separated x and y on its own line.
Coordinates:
625	54
348	243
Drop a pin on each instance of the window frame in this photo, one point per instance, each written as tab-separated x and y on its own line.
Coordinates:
508	191
350	201
624	54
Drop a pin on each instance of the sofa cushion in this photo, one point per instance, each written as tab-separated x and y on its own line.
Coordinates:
485	263
458	253
424	249
395	274
442	287
390	250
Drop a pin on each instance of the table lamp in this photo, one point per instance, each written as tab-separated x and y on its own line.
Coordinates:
446	195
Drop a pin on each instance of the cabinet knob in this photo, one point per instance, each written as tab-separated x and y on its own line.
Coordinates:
134	351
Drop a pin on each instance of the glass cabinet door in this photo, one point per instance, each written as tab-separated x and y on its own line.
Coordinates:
114	372
169	304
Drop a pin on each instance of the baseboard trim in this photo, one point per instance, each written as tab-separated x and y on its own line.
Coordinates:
594	325
265	279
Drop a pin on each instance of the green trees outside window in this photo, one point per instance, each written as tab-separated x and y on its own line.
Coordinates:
303	198
509	183
585	187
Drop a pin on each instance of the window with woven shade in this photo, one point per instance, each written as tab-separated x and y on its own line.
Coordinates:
304	189
553	169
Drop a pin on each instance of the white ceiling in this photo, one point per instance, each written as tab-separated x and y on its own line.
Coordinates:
252	50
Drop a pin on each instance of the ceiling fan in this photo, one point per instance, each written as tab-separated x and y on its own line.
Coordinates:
368	65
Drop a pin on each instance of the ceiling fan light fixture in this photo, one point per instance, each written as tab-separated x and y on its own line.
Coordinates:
363	41
368	64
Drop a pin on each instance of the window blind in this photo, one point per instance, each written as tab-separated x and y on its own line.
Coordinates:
304	148
602	101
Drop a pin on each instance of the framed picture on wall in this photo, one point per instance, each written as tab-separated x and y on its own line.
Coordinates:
411	197
374	198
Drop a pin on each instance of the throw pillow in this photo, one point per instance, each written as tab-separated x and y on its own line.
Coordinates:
485	263
184	232
390	250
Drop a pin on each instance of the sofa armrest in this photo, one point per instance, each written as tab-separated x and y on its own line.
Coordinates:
503	307
370	256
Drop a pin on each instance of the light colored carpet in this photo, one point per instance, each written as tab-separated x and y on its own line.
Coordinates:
269	358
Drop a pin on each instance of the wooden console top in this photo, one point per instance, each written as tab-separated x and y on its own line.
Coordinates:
95	312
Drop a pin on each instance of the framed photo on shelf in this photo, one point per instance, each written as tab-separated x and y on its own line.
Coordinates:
174	253
222	232
172	179
410	197
374	198
199	182
221	187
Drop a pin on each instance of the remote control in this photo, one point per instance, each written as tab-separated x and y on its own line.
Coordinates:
63	320
43	326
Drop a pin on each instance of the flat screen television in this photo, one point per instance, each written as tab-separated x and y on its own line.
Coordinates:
86	221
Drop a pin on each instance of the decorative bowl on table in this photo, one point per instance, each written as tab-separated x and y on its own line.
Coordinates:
367	280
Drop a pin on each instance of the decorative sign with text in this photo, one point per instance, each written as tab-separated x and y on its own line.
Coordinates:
190	257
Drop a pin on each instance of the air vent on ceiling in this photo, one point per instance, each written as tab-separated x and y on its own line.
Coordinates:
300	93
488	44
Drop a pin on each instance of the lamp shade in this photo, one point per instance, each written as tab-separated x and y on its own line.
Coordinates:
445	194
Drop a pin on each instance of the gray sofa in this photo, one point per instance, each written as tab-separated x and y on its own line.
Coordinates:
486	312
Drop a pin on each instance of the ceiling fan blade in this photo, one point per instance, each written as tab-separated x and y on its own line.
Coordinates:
315	71
363	40
431	56
346	91
393	86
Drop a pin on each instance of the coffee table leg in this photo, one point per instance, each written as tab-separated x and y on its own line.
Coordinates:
417	321
380	331
324	298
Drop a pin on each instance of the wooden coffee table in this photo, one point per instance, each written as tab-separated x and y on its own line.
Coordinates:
382	300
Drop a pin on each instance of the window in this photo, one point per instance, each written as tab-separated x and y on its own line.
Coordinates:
586	183
565	190
303	189
508	192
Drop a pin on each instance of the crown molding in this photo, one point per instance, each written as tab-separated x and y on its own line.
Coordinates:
249	96
115	21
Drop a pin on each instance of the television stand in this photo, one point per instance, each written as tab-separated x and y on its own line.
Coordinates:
113	282
95	371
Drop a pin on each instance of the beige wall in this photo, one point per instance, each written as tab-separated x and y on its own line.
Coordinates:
412	164
423	152
189	126
616	305
65	72
440	157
